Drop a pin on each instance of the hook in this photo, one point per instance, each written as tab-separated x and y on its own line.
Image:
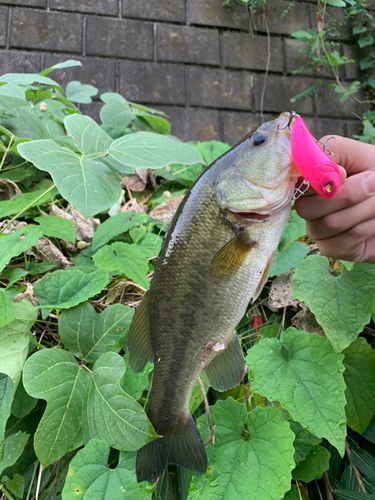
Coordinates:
293	114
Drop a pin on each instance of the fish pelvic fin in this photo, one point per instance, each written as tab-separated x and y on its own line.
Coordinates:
232	255
138	339
228	368
183	448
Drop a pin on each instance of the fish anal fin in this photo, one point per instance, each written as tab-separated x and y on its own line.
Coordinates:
138	339
228	368
182	446
232	255
263	279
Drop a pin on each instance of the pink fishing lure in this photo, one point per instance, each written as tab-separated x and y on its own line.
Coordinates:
315	165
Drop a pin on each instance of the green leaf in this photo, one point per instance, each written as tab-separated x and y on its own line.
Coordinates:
87	335
292	494
157	123
211	150
150	244
88	185
359	377
66	289
22	403
341	304
89	138
149	150
6	309
365	41
126	259
120	223
135	383
116	112
13	448
35	268
314	466
336	3
57	227
89	476
14	340
16	485
27	79
304	374
54	375
66	64
21	240
79	92
110	413
304	442
294	228
13	274
250	462
6	396
20	201
288	258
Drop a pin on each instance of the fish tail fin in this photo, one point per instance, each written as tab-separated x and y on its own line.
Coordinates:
184	448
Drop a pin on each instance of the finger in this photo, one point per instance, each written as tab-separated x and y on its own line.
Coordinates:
342	220
353	191
353	155
356	245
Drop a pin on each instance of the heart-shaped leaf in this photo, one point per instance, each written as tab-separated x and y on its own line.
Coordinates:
89	476
89	138
87	335
342	304
246	462
119	223
55	375
305	375
88	185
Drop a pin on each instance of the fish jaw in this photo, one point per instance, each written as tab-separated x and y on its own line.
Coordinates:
262	181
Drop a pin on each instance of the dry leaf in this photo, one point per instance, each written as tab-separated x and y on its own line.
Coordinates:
84	229
27	294
8	189
51	252
305	320
166	210
138	181
12	227
280	295
133	206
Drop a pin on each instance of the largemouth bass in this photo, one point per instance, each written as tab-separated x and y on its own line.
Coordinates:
215	258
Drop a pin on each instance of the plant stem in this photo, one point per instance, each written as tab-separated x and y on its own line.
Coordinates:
28	206
35	342
6	492
6	152
32	480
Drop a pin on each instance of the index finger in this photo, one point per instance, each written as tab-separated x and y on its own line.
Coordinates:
353	155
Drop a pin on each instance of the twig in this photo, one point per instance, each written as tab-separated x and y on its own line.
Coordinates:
48	480
267	66
355	470
31	481
207	408
38	483
283	321
328	487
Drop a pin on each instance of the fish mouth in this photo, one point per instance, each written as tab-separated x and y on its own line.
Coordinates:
250	216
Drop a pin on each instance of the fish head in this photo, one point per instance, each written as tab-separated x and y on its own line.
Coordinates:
261	180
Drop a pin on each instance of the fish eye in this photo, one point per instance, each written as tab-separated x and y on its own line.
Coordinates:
259	138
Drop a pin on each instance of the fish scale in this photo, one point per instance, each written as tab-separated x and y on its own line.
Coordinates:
214	260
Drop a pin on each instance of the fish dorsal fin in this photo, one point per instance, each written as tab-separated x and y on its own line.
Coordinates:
228	368
263	279
232	255
138	340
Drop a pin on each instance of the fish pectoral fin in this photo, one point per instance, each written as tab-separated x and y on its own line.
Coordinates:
138	340
232	255
228	368
263	279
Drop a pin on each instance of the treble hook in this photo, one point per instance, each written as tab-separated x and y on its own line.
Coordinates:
293	114
326	148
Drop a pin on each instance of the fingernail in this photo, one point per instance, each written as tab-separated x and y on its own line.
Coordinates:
369	184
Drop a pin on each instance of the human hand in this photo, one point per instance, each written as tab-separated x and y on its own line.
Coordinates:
344	226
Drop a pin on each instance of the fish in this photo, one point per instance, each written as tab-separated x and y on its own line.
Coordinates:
215	258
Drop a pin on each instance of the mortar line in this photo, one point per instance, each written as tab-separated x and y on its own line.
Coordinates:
7	43
187	13
155	42
117	76
84	34
119	9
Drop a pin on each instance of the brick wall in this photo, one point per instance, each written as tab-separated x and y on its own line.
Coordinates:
202	65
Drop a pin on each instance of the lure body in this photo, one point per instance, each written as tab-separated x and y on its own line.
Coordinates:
313	163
